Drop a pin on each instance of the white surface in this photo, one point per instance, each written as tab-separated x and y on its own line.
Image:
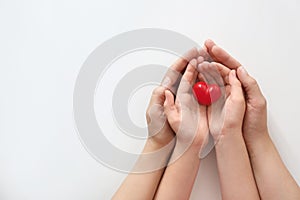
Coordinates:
44	43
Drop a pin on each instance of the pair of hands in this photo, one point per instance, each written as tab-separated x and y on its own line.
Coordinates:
249	165
242	107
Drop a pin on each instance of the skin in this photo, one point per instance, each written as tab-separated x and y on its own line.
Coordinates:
188	119
144	185
225	124
272	177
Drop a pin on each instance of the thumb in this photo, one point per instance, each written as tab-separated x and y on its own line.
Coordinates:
169	103
236	87
250	85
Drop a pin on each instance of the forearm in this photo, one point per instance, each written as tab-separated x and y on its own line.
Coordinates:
273	179
179	177
236	178
143	185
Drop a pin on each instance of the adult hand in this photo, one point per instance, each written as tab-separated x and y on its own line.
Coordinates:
255	120
272	177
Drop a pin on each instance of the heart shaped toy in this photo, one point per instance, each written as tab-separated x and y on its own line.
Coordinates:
206	94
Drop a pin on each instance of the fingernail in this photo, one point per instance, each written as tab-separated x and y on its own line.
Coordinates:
193	62
233	73
211	41
200	59
190	54
243	70
166	82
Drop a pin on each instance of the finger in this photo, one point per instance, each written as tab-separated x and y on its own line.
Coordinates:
208	46
203	113
174	73
217	79
235	85
250	85
188	78
203	69
227	90
220	55
169	103
204	48
201	77
200	59
204	54
214	72
225	58
157	96
223	71
211	74
191	54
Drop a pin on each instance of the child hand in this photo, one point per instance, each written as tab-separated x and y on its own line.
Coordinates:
225	115
159	131
186	117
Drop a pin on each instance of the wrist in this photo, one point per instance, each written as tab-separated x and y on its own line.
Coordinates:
230	135
154	156
195	142
162	138
152	144
185	149
256	136
192	147
225	131
261	143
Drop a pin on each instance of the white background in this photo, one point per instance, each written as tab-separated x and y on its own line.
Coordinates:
44	43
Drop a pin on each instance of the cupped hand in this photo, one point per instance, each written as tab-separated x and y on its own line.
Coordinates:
255	120
226	115
159	131
186	117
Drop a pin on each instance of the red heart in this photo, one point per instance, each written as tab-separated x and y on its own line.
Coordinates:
206	94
